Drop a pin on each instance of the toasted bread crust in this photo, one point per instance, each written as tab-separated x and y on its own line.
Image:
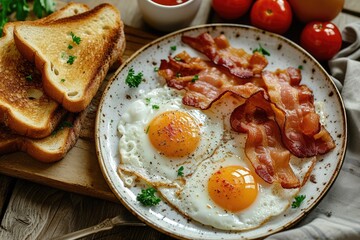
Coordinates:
50	149
97	53
70	9
24	107
19	112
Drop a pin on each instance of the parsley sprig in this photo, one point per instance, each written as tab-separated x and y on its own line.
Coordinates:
21	9
61	126
71	59
180	171
75	38
29	77
262	50
43	8
298	200
133	80
147	197
195	78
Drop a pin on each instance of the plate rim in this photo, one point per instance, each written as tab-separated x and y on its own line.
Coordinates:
304	212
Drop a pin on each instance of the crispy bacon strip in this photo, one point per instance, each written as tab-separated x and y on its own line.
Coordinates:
263	146
203	81
236	60
302	132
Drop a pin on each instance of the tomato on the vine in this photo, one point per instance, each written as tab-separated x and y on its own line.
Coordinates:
321	39
271	15
231	9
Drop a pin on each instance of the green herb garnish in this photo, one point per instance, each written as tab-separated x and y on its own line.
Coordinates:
132	79
147	197
70	46
173	48
62	80
3	21
196	77
75	38
42	8
155	107
178	75
262	50
147	100
156	69
298	200
29	78
71	59
147	129
177	59
62	125
65	124
21	9
300	67
180	171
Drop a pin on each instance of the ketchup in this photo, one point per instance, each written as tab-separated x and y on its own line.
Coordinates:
170	2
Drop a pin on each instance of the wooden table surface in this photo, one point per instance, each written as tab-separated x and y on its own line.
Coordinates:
31	210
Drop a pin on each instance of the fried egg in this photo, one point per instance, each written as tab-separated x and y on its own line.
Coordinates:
219	187
226	193
159	135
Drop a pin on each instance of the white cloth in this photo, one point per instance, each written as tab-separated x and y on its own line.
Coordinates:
337	217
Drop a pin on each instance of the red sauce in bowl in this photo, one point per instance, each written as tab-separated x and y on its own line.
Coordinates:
170	2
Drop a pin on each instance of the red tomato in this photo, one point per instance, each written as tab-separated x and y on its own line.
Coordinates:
231	9
271	15
321	39
316	10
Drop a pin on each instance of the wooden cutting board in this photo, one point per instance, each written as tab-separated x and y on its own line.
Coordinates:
79	171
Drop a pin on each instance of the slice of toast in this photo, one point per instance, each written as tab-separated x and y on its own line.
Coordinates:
49	149
24	107
73	54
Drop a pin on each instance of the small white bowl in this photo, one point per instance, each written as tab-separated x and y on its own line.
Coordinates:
169	18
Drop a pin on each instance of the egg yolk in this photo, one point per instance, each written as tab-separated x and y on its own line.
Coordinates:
174	134
233	188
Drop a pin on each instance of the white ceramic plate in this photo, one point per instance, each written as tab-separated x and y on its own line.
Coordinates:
284	53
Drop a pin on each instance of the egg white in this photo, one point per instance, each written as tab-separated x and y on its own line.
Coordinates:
220	146
194	200
139	158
